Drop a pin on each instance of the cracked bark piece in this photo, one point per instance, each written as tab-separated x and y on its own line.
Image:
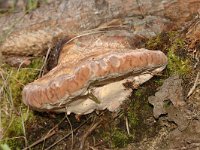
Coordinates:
170	90
99	64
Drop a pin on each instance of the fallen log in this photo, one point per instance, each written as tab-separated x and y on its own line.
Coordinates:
32	34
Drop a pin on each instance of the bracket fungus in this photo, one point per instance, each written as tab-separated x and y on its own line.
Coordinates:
92	74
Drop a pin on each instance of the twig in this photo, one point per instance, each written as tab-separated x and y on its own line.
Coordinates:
45	62
23	62
1	127
67	135
92	31
23	127
31	69
71	131
85	34
127	125
93	148
196	57
87	133
12	138
194	86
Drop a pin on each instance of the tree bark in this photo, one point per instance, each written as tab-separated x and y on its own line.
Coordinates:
33	33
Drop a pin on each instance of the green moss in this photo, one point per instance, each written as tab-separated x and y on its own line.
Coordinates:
4	147
17	78
161	41
138	93
15	126
13	135
119	138
177	65
15	113
165	40
132	118
31	5
159	82
172	44
13	144
176	62
154	42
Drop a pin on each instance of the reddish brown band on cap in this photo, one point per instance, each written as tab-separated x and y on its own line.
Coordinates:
67	86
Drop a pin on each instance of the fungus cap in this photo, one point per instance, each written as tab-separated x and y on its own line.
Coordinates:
84	66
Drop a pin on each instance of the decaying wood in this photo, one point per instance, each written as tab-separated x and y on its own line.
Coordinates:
33	33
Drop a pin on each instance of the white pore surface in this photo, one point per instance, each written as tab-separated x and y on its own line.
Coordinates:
111	96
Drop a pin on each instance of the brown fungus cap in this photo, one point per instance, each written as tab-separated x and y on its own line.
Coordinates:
86	61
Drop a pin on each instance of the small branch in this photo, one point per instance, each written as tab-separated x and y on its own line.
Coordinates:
23	127
45	62
85	34
194	86
127	125
196	57
71	131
